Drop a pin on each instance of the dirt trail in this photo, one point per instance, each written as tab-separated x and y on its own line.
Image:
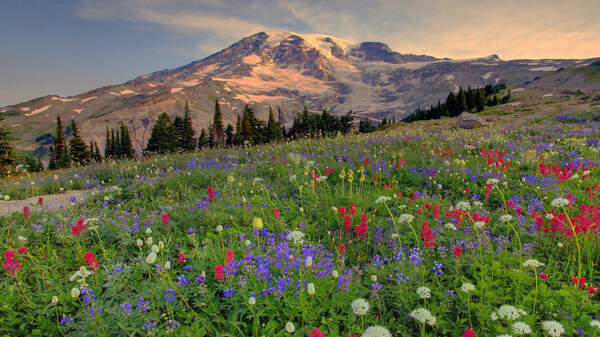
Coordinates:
52	202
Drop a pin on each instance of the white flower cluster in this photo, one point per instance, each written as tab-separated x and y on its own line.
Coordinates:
533	263
450	226
479	224
508	312
424	316
382	198
424	292
595	323
492	181
406	218
467	287
289	327
559	202
521	328
296	237
360	306
321	179
464	205
377	331
553	328
506	218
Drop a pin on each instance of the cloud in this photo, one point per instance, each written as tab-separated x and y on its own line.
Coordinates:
456	29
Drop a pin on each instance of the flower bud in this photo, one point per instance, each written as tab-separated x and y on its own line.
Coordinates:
310	289
75	292
151	258
257	223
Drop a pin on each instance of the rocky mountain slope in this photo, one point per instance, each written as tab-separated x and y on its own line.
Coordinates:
289	71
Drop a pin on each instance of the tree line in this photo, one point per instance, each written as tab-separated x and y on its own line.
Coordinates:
69	149
471	100
178	135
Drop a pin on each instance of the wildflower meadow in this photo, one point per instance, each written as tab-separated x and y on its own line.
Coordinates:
486	232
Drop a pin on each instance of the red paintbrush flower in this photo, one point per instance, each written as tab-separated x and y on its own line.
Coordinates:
90	260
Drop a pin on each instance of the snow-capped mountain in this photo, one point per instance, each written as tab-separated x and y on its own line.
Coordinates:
285	70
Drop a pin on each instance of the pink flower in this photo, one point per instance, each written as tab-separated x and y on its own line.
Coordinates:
468	333
90	260
276	213
165	219
21	250
10	264
26	212
219	273
41	201
316	332
181	258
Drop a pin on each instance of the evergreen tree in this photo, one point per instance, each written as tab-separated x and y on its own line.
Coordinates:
229	135
178	126
60	153
113	144
7	153
98	155
479	100
77	148
126	145
237	140
203	139
188	143
217	128
161	138
470	99
280	122
211	136
108	144
247	131
273	131
461	102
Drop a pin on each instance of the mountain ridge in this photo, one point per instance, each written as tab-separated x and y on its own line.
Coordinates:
286	70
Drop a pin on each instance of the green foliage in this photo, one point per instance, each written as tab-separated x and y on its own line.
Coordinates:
161	138
59	157
77	148
473	100
7	153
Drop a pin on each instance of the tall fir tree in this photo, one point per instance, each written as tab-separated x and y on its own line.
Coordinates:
246	130
217	125
211	136
237	139
280	121
107	144
203	139
161	138
188	142
60	153
77	148
178	136
229	135
126	145
479	100
7	152
273	131
98	157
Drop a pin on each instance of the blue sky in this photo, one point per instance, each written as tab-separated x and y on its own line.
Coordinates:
67	47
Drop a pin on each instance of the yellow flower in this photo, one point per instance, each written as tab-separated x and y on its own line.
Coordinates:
257	223
342	174
350	179
362	177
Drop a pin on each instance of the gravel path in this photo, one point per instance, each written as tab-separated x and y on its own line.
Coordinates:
52	202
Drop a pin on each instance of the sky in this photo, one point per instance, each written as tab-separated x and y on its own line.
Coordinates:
67	47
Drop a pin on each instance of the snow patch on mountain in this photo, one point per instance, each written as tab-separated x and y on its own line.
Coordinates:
37	111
